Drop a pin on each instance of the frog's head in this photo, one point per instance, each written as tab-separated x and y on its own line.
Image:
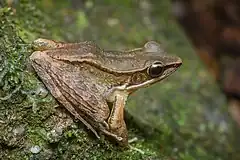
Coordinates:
156	66
158	63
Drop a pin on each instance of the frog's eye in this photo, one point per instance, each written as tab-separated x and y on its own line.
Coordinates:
155	70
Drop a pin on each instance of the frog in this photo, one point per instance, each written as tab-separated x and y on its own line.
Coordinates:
93	84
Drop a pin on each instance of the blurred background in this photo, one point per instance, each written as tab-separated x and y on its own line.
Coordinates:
197	109
213	28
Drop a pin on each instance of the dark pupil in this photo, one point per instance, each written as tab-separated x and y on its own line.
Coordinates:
155	71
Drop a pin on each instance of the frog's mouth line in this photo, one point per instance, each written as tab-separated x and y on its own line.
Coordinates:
152	81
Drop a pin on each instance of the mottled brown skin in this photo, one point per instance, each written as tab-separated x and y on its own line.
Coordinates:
93	84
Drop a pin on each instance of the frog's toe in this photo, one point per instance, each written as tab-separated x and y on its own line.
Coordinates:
133	140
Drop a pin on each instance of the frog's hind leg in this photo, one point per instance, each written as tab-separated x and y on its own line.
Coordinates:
53	86
69	106
72	110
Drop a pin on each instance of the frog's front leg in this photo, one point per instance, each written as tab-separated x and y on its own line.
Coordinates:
116	119
118	96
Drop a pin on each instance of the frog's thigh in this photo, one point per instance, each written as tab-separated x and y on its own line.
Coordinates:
72	110
45	74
